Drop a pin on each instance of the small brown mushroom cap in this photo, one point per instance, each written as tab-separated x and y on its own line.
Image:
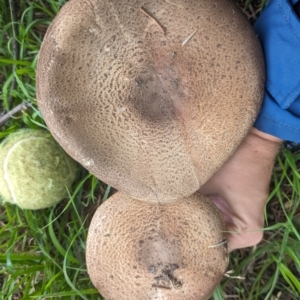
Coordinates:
152	98
141	250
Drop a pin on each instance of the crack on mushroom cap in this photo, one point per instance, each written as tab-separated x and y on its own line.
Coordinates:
166	279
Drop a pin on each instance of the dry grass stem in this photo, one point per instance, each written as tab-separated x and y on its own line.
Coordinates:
227	274
224	242
15	110
188	38
142	9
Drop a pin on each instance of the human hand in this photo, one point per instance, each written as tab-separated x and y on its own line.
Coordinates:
241	187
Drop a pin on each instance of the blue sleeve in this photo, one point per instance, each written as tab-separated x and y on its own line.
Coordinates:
278	29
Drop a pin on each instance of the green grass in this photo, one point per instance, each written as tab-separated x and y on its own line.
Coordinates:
42	253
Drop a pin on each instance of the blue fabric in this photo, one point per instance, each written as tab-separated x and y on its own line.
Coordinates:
278	29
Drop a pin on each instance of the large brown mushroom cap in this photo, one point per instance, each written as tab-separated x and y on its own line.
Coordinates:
151	100
141	250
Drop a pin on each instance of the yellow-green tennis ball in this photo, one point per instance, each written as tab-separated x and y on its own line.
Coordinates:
35	172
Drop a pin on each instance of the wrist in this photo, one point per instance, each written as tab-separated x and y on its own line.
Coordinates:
262	143
265	136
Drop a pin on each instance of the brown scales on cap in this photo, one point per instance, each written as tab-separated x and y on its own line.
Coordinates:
143	113
140	250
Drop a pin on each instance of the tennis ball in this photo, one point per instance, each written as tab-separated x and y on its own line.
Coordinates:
35	172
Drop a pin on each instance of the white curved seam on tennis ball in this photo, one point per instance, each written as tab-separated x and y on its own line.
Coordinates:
5	164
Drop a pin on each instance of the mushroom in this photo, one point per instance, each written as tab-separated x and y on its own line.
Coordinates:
151	97
141	250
